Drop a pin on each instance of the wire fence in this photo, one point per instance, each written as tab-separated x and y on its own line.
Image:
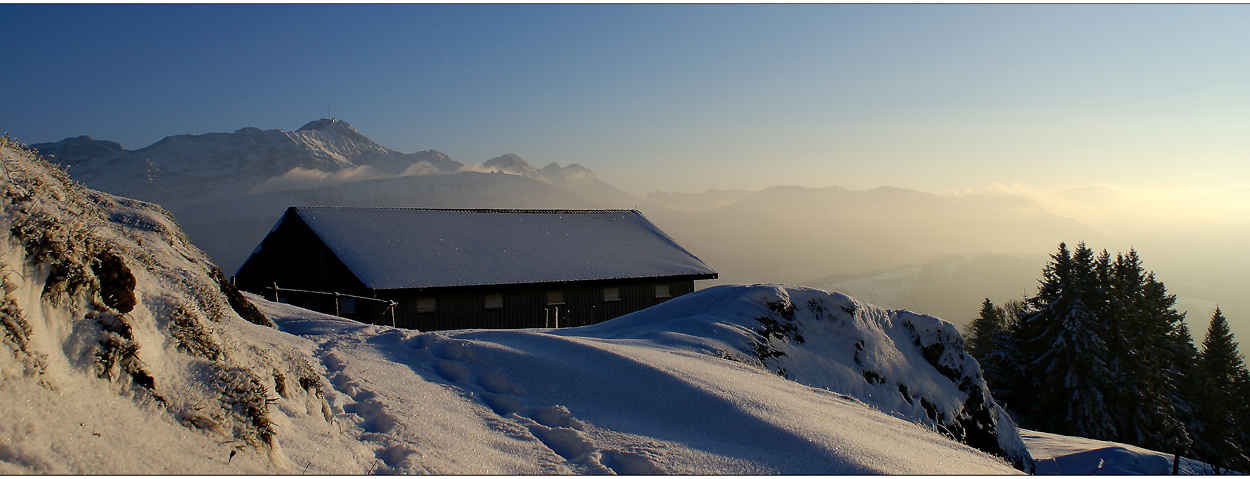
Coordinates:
390	303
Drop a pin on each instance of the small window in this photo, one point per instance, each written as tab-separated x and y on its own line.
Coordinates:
425	305
555	297
494	301
347	305
611	294
661	291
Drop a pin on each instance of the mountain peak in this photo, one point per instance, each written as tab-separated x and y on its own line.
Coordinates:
323	123
336	126
512	163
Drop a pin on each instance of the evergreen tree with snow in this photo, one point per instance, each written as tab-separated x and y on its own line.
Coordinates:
1191	392
1143	353
1063	349
1223	440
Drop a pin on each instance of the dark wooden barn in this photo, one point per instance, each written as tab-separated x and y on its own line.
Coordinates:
433	269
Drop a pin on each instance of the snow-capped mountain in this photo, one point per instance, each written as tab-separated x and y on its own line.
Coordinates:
574	178
186	170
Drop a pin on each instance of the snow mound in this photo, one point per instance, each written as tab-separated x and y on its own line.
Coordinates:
908	365
120	340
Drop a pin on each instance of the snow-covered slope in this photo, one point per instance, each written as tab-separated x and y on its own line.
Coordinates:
908	365
123	349
1055	454
667	390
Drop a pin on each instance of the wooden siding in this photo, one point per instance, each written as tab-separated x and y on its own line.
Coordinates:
294	257
525	306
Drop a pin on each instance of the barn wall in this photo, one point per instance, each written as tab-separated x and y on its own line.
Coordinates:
526	306
294	257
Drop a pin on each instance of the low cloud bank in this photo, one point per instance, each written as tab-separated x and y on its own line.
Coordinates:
300	178
1121	210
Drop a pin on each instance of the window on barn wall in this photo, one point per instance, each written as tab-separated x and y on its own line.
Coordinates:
661	291
611	294
426	305
555	297
347	305
494	301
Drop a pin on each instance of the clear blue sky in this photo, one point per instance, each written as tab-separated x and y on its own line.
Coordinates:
673	97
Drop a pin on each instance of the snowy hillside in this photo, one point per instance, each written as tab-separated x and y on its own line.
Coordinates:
124	349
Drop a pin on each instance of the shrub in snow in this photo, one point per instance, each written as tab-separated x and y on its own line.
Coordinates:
105	295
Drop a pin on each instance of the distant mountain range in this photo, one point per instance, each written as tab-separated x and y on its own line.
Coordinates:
228	189
182	171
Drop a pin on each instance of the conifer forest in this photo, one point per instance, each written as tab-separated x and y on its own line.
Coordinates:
1100	352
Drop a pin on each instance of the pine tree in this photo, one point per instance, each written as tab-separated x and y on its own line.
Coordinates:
979	341
989	342
1064	343
1191	391
1226	372
1143	353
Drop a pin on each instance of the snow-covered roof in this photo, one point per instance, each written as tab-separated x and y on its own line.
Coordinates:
395	248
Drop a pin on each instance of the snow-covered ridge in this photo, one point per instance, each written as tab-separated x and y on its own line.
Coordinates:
908	365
